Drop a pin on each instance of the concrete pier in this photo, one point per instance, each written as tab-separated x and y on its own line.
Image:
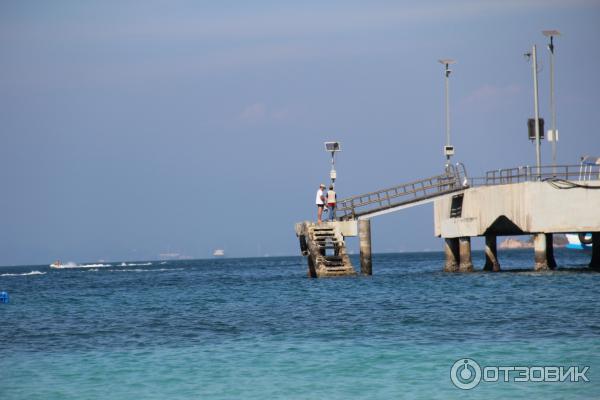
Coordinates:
452	256
464	249
595	262
536	208
509	203
491	254
364	237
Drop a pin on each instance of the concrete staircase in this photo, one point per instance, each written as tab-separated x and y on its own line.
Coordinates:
326	251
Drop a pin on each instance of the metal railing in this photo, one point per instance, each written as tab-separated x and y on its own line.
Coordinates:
529	174
454	179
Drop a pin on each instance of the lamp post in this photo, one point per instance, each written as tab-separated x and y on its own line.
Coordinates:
533	57
333	147
554	135
448	148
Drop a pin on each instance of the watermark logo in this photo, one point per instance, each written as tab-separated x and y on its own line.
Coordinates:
466	373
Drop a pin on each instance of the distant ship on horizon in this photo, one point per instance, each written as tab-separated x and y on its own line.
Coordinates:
219	253
169	256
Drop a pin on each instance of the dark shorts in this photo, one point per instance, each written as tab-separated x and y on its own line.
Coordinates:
320	205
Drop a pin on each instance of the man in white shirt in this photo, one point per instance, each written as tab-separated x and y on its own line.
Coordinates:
320	202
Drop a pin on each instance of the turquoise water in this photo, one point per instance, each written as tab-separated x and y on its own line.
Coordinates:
258	328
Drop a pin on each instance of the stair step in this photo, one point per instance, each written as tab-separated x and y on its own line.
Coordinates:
341	269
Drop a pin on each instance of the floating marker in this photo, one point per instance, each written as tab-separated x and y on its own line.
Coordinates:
3	297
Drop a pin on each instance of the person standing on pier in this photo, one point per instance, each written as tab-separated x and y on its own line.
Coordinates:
320	202
331	202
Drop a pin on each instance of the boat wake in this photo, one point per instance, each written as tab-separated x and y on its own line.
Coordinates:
124	264
74	265
146	270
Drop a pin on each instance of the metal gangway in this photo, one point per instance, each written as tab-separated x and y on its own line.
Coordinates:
410	194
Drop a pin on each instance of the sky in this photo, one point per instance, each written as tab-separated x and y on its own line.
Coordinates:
130	129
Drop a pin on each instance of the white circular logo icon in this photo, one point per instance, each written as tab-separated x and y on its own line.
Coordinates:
465	373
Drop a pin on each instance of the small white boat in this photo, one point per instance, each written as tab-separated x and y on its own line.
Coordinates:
56	264
579	241
219	253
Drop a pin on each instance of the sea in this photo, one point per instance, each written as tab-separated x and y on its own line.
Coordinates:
258	328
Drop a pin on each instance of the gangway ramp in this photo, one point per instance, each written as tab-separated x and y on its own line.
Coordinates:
403	196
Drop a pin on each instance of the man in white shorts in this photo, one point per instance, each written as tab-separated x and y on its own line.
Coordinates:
320	202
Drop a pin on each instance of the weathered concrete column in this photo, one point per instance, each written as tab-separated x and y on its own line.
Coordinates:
540	247
451	249
544	251
550	251
312	272
364	238
464	249
491	254
303	245
595	262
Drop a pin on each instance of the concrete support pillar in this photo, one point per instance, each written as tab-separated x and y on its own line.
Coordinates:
303	245
451	249
364	238
312	272
540	247
491	254
464	249
550	251
595	262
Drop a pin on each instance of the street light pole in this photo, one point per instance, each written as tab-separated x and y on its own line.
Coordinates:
554	136
333	147
537	112
448	149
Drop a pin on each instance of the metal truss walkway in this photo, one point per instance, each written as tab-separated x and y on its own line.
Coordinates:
410	194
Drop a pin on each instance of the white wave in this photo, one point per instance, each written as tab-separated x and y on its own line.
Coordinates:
124	264
146	270
25	274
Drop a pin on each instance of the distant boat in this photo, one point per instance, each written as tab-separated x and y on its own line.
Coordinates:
575	241
219	253
56	264
169	256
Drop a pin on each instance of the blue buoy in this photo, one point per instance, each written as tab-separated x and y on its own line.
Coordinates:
3	297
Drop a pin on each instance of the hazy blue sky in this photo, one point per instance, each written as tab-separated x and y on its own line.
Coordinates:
129	128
